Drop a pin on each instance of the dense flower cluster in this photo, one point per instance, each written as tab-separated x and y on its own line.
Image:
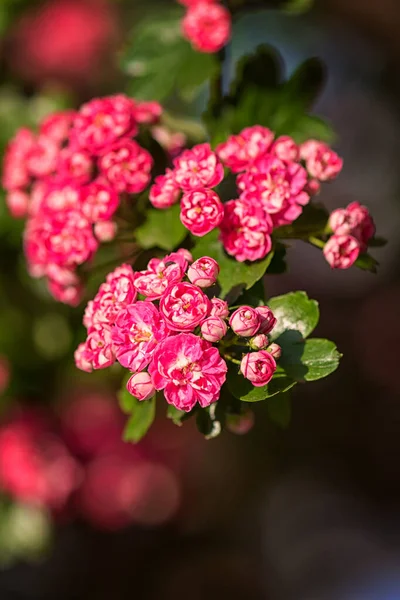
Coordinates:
76	464
68	180
275	179
206	24
352	228
165	340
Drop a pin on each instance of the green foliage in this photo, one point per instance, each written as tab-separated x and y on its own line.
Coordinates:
244	390
295	312
366	262
259	96
234	276
161	229
280	409
162	62
312	221
141	419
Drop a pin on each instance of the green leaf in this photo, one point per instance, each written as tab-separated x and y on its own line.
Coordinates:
280	409
278	264
234	276
366	262
294	312
306	83
125	399
377	242
262	69
161	61
244	390
312	221
175	415
162	229
142	417
309	360
298	6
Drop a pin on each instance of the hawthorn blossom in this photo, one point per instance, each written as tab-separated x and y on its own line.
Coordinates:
160	273
207	26
245	321
267	319
184	306
354	220
258	367
141	386
164	192
240	151
198	168
203	272
126	166
189	370
213	329
342	251
201	211
321	161
219	308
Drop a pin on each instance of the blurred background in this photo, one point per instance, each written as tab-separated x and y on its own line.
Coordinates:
308	512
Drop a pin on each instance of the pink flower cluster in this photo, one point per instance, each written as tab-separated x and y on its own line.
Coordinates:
352	228
76	464
275	178
165	340
157	333
67	180
206	24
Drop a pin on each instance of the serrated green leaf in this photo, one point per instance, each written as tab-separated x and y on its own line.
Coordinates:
142	417
280	409
175	415
244	390
161	61
294	312
162	229
309	360
366	262
234	276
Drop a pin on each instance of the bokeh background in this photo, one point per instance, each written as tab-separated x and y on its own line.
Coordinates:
308	512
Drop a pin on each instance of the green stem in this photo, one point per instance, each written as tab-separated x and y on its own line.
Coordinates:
231	359
316	242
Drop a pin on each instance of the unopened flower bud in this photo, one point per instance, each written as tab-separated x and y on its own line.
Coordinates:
275	350
140	385
213	329
259	342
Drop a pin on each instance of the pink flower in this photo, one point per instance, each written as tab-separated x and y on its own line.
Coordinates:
138	330
203	272
116	293
189	370
245	230
172	141
18	203
240	151
286	149
105	231
184	306
141	386
82	358
57	125
100	351
354	220
5	373
15	169
219	308
148	112
43	156
321	161
245	321
194	2
186	255
278	186
341	251
159	274
267	318
258	367
126	166
102	122
75	165
259	342
67	294
164	192
207	26
99	201
275	350
201	211
242	423
198	168
213	329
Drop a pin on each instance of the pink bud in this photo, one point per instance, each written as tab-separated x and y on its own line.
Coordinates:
267	319
341	251
258	367
275	350
245	321
17	202
203	272
219	308
213	329
259	342
186	254
242	423
140	385
105	231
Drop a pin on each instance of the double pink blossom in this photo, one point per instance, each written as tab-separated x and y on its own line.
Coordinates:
184	306
240	151
245	321
203	272
137	331
189	370
126	166
99	201
198	168
354	220
258	367
201	211
160	273
213	329
321	161
219	308
207	25
267	319
164	192
342	251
